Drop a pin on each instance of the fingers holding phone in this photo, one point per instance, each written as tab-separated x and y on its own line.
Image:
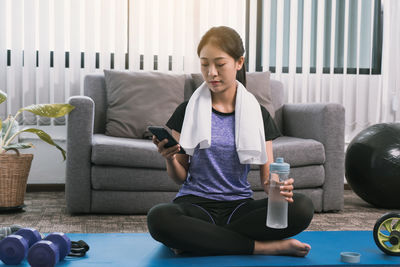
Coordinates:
167	152
166	143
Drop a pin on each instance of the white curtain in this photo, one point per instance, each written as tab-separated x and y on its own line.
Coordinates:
171	29
48	46
390	84
364	96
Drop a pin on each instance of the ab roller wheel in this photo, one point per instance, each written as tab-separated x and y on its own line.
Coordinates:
387	233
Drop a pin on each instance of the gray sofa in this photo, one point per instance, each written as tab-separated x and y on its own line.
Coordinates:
107	174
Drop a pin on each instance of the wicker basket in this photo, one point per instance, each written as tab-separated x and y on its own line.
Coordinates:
14	171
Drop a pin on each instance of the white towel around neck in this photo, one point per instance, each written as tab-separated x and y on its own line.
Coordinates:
249	126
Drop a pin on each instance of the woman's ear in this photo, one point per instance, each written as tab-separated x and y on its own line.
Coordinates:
239	63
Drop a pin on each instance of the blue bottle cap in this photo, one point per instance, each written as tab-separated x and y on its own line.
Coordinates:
279	166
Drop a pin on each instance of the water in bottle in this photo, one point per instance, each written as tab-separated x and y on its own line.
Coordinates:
277	204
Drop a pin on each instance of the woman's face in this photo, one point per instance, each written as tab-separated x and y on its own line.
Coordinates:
219	68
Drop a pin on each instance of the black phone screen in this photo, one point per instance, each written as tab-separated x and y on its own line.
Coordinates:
161	133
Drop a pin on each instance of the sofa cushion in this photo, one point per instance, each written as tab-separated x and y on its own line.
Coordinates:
299	151
258	83
117	151
278	100
131	179
137	100
145	179
304	177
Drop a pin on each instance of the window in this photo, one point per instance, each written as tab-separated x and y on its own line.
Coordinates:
367	13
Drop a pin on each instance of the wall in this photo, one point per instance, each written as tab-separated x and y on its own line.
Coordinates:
48	166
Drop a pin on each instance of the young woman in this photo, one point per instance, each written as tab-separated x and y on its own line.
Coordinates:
214	213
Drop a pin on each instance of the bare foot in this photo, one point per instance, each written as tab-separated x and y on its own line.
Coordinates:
289	247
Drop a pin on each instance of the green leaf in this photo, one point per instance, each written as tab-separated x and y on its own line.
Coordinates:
49	110
45	137
19	146
3	96
5	125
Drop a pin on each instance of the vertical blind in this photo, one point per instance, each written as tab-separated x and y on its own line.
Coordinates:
321	51
323	22
48	46
325	50
163	34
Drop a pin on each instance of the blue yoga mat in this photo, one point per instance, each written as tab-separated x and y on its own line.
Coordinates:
118	250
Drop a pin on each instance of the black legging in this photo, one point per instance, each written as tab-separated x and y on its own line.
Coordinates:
209	227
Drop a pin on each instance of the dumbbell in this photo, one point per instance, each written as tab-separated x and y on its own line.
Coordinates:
50	250
14	248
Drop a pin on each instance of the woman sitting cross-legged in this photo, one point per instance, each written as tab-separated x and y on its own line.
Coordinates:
223	130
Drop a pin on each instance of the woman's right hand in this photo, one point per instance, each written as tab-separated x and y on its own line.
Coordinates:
168	153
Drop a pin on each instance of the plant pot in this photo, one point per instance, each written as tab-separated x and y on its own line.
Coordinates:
14	171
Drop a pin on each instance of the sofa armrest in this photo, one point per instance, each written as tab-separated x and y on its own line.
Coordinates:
325	123
79	147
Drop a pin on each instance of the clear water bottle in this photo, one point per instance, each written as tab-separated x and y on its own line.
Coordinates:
277	214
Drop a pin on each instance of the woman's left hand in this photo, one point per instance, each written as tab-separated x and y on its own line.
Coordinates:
287	190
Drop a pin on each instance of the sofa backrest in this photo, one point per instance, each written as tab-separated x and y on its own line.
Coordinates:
95	88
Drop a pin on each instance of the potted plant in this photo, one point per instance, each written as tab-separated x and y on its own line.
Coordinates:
14	168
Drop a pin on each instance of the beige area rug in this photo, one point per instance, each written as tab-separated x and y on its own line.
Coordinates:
46	212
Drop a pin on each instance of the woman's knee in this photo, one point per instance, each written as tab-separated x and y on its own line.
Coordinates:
159	220
302	210
304	203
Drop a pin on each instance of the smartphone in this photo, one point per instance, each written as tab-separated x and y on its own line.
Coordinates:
161	133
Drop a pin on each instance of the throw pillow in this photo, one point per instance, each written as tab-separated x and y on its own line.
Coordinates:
258	83
137	100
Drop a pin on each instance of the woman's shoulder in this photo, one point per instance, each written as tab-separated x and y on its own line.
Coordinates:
176	120
182	106
265	112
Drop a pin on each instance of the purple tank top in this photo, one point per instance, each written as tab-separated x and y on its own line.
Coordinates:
216	172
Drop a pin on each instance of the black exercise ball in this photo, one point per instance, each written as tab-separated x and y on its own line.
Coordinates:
372	165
